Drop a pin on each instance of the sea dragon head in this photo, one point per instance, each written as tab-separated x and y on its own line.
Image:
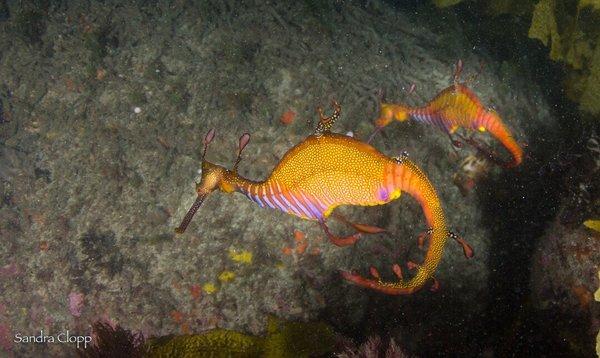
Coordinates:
389	112
213	177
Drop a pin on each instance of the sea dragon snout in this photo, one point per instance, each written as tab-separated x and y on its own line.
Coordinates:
213	177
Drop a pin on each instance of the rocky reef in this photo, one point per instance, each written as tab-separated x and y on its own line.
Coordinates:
105	105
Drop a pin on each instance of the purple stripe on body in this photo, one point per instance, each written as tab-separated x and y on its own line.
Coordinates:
437	121
270	195
440	122
269	203
445	123
258	201
383	194
304	209
321	204
327	199
428	118
315	211
420	117
415	115
289	205
279	204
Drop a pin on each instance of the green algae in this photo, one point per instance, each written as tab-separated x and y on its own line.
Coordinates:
297	339
214	343
283	339
568	29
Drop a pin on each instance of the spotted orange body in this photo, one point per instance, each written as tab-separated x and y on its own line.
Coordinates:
324	172
328	170
455	107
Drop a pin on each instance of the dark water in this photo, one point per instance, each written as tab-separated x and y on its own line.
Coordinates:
103	111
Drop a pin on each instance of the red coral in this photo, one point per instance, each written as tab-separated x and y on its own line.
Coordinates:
288	117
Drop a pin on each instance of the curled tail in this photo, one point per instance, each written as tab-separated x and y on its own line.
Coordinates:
491	122
407	177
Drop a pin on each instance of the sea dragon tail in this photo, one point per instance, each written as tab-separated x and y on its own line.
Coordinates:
407	177
492	123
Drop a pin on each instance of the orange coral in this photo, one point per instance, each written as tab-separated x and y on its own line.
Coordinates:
299	236
100	74
44	246
177	316
301	243
287	117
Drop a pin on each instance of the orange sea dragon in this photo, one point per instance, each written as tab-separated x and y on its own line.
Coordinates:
454	107
327	170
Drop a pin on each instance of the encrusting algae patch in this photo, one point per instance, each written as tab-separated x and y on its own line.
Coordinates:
209	288
243	257
592	224
283	339
226	276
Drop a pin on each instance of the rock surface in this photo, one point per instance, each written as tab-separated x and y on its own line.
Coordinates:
564	274
109	106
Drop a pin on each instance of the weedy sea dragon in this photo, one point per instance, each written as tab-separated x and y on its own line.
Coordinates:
455	107
327	170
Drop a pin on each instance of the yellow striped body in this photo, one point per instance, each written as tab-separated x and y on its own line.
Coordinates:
457	106
323	172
